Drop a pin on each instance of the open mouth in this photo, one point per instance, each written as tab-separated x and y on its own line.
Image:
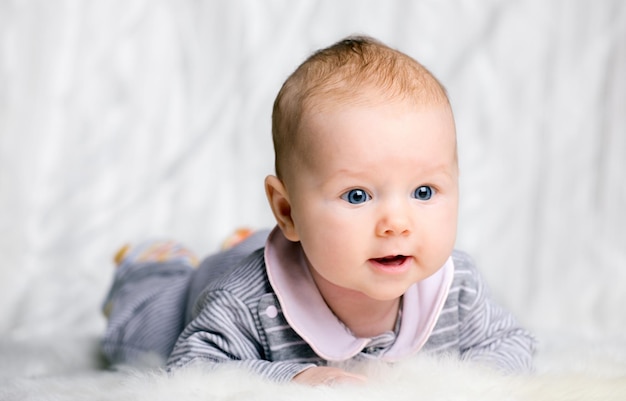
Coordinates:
396	260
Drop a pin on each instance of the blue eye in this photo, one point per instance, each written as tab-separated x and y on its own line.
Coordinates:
423	193
356	196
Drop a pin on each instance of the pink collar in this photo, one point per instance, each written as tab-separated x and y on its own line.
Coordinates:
309	316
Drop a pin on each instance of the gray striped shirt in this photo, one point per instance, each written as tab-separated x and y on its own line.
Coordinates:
238	319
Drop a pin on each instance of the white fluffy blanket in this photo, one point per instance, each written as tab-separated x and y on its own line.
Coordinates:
126	119
68	371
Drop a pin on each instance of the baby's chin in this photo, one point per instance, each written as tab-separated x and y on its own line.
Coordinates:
387	295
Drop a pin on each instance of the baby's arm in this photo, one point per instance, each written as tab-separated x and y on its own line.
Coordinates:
224	331
324	375
490	334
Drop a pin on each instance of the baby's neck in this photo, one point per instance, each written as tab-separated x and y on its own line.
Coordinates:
371	320
364	316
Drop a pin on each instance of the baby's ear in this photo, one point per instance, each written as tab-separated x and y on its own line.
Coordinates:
281	206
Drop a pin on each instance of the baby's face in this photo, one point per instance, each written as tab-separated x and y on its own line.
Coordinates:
375	200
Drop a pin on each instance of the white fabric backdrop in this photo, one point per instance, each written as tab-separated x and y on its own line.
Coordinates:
121	120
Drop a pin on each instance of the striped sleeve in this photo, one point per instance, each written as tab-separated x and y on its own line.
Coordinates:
489	334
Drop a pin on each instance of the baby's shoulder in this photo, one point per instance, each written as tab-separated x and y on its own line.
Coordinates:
462	260
467	283
243	279
464	266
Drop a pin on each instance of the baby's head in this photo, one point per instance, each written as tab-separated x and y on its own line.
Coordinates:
345	73
366	168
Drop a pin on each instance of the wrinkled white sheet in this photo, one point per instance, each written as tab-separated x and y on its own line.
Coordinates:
121	120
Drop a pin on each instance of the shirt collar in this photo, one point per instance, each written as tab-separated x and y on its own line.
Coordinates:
309	316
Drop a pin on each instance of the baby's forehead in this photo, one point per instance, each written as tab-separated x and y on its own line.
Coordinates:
324	130
329	120
319	109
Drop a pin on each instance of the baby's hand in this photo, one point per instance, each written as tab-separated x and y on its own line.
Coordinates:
323	375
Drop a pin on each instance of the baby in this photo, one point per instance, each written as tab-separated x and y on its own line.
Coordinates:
361	264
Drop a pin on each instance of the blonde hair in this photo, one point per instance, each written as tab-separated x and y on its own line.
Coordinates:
341	73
